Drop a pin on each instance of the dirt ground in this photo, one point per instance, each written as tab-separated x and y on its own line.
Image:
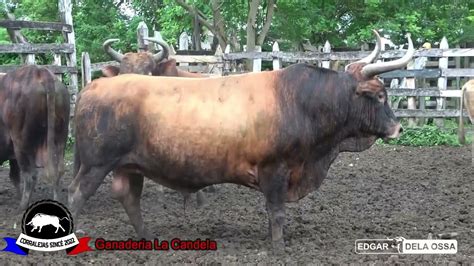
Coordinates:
386	191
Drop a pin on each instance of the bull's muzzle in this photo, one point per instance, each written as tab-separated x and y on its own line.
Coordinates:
395	131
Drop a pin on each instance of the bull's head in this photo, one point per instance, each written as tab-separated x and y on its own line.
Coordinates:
370	110
143	63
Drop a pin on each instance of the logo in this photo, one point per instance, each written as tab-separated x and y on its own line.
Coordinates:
400	245
47	225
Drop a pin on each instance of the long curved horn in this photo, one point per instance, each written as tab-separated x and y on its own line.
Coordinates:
164	53
375	53
377	68
114	54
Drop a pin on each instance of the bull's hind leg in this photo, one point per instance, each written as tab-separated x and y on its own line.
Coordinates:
84	185
200	199
15	176
29	172
30	176
60	170
127	188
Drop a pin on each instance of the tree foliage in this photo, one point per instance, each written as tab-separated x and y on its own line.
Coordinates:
345	23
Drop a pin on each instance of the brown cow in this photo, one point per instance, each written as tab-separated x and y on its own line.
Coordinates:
34	120
277	132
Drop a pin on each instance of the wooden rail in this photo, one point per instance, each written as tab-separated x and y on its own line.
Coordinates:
349	56
36	25
53	68
28	48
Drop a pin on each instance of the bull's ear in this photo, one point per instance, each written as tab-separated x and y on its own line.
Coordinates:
110	71
166	68
370	87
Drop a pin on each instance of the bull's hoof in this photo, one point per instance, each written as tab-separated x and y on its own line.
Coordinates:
146	235
22	208
80	232
278	248
210	189
200	199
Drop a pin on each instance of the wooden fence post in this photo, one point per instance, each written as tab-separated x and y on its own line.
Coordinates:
442	81
86	68
217	68
394	84
226	64
65	10
183	41
411	101
142	33
326	49
257	63
276	61
420	63
57	62
30	59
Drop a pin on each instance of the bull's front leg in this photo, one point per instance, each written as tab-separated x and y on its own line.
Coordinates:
274	185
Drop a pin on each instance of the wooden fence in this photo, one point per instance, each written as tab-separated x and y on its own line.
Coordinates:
67	48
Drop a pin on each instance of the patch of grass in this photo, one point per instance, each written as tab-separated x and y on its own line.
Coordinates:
430	135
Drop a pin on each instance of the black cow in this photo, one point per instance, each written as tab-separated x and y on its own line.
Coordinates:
34	120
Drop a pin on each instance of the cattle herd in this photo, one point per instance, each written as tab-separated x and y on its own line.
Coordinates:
276	131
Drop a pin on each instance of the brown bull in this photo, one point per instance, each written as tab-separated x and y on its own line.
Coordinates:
277	132
144	63
34	119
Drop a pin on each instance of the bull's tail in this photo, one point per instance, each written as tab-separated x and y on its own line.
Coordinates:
51	166
64	218
77	160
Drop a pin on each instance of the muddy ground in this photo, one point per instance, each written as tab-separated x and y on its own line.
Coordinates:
386	191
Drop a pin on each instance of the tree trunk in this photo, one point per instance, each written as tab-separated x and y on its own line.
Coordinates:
217	27
251	29
267	23
219	23
197	34
252	24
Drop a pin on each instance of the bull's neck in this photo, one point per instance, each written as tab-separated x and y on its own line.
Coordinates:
314	105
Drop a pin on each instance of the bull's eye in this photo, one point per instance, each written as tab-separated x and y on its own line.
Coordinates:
381	97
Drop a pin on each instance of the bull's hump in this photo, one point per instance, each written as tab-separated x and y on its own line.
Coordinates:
232	103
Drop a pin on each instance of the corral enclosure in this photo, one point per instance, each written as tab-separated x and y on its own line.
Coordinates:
387	191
